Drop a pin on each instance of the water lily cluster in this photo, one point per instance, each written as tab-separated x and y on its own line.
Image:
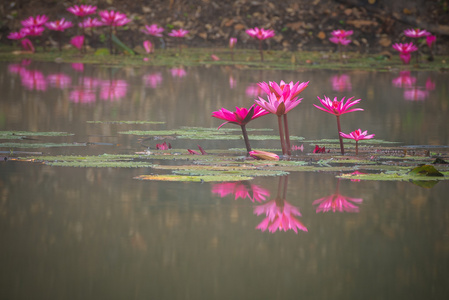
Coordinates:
406	49
280	99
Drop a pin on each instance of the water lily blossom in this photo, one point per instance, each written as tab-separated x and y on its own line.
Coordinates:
59	25
340	33
148	46
357	135
338	108
416	33
90	23
77	41
232	42
180	33
337	202
241	117
405	51
260	34
154	30
82	10
37	21
263	155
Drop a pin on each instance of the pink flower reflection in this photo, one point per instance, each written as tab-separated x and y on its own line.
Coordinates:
33	80
82	96
415	94
59	80
90	82
153	80
79	67
178	72
430	85
279	215
337	202
404	80
254	90
232	82
241	190
113	90
341	83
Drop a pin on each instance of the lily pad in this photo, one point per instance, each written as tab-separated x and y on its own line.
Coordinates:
8	135
185	178
40	145
126	122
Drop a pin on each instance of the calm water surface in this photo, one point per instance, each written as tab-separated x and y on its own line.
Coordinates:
85	233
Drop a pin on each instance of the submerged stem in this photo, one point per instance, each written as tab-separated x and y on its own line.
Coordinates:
342	149
245	137
281	135
287	136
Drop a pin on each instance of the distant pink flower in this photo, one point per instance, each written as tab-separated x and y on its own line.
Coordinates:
241	116
341	83
415	94
336	107
82	10
405	57
148	46
77	41
34	30
404	80
405	48
337	203
59	25
319	149
37	21
163	146
90	22
340	33
355	173
280	215
59	80
260	34
18	35
154	30
153	80
357	135
193	152
278	106
27	45
33	80
81	95
180	33
263	155
430	39
232	42
178	72
77	67
416	33
113	18
340	40
113	90
241	190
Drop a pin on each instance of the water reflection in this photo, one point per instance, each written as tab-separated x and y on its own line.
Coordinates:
341	83
413	91
241	190
336	202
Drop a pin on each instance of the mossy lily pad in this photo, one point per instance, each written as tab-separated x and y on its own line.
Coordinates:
7	135
185	178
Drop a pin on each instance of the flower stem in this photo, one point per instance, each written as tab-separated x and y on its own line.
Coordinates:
245	137
287	136
342	149
281	135
261	50
356	147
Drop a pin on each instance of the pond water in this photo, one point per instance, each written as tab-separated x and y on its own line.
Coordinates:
97	233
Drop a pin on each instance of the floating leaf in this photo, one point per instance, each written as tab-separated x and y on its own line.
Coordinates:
184	178
425	170
39	145
125	122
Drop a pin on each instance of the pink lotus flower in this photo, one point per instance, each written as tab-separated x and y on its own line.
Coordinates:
341	83
193	152
214	57
241	190
319	149
260	34
148	46
59	80
405	50
337	202
113	18
180	33
232	42
280	215
340	40
59	25
357	135
416	33
90	23
163	146
34	30
82	10
340	33
405	57
37	21
287	90
81	95
241	117
154	30
27	45
153	80
338	108
77	41
18	35
263	155
278	105
79	67
430	39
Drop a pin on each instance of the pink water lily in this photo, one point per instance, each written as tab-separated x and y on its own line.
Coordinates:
90	23
232	42
337	203
154	30
430	39
82	10
27	45
340	40
405	51
59	25
263	155
357	135
338	108
163	146
113	18
241	190
416	33
241	117
38	21
340	33
180	33
148	46
77	41
260	34
18	35
34	30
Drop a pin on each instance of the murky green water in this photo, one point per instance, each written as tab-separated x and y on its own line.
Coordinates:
83	233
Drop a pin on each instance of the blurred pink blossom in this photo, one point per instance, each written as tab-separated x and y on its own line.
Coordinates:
81	95
59	25
415	94
153	80
77	41
90	23
404	80
113	90
77	67
82	10
154	30
341	83
37	21
178	72
33	80
59	80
